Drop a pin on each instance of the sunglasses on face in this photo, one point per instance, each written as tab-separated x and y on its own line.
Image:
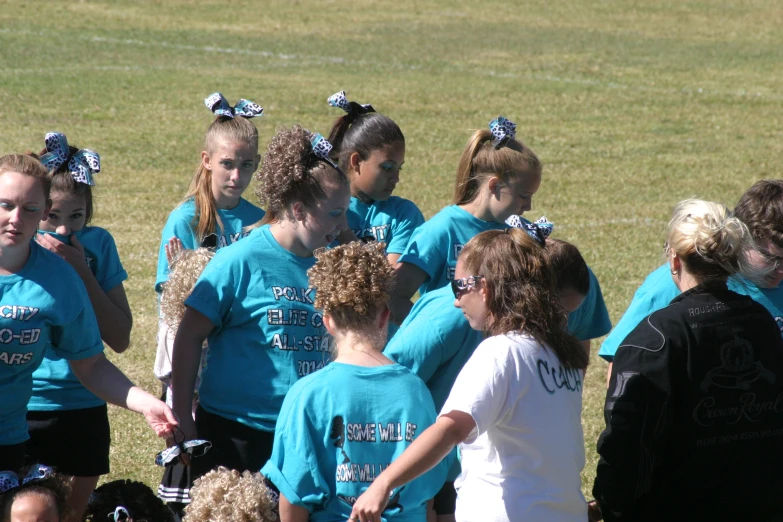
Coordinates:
466	284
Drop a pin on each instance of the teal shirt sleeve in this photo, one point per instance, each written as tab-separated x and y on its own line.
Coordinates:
591	319
215	290
110	271
427	249
408	218
178	225
656	292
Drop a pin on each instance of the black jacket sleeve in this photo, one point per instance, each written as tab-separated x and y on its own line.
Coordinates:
639	418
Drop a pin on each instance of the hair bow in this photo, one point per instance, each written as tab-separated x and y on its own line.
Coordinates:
119	513
10	480
322	148
502	130
220	107
338	99
193	448
539	230
82	165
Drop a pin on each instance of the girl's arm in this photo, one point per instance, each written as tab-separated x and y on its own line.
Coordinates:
193	330
409	278
292	513
422	455
111	308
106	381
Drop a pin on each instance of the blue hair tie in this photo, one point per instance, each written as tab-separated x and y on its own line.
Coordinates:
321	149
502	130
220	107
82	165
339	100
10	480
539	230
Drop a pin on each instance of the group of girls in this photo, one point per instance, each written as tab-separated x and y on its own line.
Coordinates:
297	377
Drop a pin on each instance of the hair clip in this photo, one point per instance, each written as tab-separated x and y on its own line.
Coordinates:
82	165
339	100
119	513
322	148
220	107
538	230
10	480
503	131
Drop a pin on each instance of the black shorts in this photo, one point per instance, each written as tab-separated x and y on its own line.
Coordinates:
12	457
234	445
74	442
446	500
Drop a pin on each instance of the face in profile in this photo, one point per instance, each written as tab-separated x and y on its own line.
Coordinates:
471	297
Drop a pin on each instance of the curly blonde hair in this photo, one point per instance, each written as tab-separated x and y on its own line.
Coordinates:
352	281
290	172
184	272
223	495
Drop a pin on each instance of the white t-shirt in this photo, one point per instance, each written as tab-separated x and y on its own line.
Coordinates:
523	461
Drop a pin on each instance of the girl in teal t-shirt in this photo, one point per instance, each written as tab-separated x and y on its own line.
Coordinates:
254	305
370	148
68	424
342	426
497	177
44	302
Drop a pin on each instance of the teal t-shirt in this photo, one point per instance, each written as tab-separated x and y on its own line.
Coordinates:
267	331
435	245
340	428
55	387
657	292
392	221
43	304
180	224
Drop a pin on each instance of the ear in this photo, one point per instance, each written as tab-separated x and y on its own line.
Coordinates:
298	210
205	161
383	318
329	324
674	263
258	160
354	161
493	184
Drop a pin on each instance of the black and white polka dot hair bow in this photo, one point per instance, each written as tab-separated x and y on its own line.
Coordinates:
339	100
82	165
321	149
539	230
503	131
220	107
10	480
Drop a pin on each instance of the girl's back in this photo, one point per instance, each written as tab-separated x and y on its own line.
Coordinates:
525	458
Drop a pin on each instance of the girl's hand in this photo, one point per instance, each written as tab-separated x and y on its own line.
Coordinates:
369	506
73	253
173	249
160	418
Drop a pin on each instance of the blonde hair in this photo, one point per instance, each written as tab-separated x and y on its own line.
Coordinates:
711	241
481	161
206	220
184	271
521	291
352	282
223	495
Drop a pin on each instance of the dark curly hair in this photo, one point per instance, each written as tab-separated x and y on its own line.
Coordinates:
57	488
136	497
521	291
761	209
290	172
352	281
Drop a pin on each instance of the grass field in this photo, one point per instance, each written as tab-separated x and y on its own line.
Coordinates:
631	106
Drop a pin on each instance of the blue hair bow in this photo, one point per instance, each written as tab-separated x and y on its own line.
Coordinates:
339	100
322	148
503	131
220	107
539	230
10	480
194	448
82	165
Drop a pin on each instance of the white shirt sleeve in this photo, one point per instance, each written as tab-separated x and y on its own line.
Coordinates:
481	388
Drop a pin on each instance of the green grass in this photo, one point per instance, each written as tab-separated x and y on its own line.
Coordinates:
631	105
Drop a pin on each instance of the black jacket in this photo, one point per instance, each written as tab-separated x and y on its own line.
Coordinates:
694	414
